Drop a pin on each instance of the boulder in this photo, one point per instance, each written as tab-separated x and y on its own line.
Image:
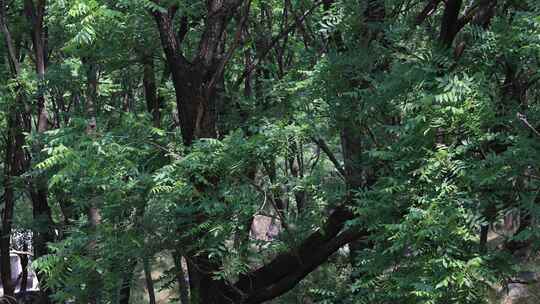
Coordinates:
16	271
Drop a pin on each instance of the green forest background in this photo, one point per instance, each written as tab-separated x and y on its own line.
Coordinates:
250	151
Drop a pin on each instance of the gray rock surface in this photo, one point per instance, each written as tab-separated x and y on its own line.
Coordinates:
16	271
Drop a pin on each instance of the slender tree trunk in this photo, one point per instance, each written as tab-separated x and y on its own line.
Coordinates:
24	267
7	214
125	288
14	159
92	211
181	278
484	229
153	102
35	12
149	281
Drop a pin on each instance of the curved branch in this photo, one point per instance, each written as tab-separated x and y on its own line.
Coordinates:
287	269
306	266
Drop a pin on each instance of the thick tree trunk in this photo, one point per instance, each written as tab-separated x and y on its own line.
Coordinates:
450	24
196	95
196	91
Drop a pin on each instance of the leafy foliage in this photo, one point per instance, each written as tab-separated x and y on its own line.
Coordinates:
318	108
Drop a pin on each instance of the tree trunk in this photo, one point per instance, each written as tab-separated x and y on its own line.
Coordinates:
149	281
196	97
7	216
450	25
14	158
125	288
38	187
153	102
24	267
181	278
92	211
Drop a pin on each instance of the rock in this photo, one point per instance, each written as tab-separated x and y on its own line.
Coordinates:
16	271
29	297
7	300
265	228
515	293
526	277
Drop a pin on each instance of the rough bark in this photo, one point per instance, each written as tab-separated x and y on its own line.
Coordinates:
196	86
24	266
35	12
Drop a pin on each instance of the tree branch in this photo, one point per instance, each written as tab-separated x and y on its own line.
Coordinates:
474	11
273	43
237	38
169	40
430	8
9	40
324	147
307	266
288	268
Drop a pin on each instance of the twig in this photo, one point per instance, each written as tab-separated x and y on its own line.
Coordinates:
273	43
523	118
274	205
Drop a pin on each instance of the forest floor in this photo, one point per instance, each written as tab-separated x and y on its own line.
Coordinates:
525	288
139	295
514	293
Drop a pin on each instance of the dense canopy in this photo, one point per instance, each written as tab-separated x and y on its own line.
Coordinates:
251	151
